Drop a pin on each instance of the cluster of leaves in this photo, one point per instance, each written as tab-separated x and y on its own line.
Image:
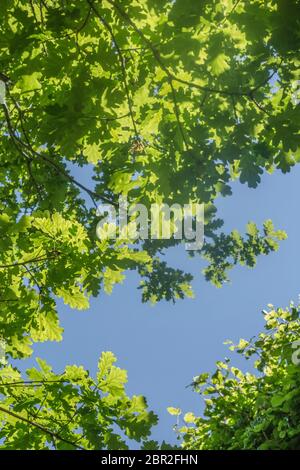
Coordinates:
46	255
160	101
259	410
229	250
110	85
71	410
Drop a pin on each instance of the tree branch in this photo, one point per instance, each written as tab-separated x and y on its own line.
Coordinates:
162	65
53	434
33	260
25	383
170	75
18	143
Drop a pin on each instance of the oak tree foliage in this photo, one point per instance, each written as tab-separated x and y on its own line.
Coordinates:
159	101
252	410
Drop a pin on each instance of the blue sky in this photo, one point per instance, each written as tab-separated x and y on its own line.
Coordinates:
165	345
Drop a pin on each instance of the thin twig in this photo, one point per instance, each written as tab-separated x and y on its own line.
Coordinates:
228	15
122	63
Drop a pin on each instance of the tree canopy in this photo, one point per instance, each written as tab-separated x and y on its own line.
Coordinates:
252	410
162	102
71	410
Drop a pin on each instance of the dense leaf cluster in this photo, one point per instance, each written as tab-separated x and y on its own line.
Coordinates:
161	102
252	410
70	410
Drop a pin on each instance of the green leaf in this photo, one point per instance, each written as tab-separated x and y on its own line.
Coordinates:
93	153
73	297
219	64
174	411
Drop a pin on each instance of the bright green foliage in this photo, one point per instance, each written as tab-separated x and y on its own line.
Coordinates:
164	102
161	101
259	410
71	410
46	255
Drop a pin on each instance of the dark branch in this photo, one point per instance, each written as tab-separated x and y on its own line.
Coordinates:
53	434
33	260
